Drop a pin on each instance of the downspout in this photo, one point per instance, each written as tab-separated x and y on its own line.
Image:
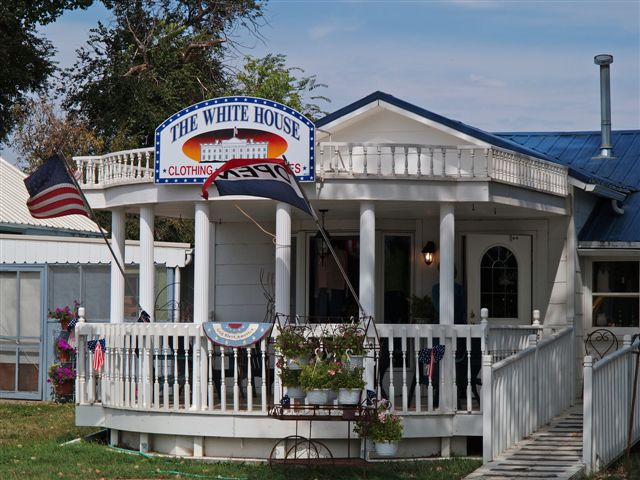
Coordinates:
616	208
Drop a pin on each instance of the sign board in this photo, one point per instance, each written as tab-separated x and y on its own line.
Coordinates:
199	139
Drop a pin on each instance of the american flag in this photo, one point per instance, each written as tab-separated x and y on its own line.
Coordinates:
97	347
53	192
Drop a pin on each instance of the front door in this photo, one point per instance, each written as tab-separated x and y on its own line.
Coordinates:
498	269
20	334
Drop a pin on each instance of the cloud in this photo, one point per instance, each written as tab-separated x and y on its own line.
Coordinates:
487	82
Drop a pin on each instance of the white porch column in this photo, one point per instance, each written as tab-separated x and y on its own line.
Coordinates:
176	294
116	314
201	267
447	235
367	286
147	274
283	259
446	301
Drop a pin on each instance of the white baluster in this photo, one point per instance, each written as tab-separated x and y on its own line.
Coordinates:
187	384
379	161
392	388
210	366
459	166
444	161
156	368
429	381
176	376
249	381
393	160
236	386
265	375
419	166
165	356
223	382
197	385
416	348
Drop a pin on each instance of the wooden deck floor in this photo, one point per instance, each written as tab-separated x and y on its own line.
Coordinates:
555	453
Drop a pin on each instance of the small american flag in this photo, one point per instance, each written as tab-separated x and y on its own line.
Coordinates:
52	191
97	347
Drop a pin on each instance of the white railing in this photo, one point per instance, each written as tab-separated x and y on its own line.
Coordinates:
608	395
169	367
439	162
117	168
526	390
402	377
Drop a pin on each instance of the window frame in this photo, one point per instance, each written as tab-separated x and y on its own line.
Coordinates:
590	294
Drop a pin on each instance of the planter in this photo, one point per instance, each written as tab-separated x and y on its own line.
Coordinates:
64	389
386	449
318	396
64	356
356	361
296	393
349	396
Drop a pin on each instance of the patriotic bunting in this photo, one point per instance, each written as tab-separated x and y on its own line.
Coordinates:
431	356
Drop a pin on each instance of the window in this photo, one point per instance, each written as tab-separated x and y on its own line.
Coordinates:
615	293
499	282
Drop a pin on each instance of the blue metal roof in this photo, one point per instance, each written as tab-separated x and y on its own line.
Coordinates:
577	149
606	226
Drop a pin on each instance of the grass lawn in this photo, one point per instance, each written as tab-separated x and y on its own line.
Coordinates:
31	434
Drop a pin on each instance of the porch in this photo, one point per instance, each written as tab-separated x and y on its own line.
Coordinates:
166	388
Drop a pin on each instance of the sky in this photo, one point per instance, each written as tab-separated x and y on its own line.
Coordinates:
498	65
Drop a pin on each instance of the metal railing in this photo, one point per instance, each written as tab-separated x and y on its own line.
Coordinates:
608	395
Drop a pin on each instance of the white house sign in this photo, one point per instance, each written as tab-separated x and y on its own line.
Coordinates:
193	143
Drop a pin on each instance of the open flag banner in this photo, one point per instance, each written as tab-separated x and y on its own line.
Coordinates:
236	334
71	328
52	191
98	348
264	177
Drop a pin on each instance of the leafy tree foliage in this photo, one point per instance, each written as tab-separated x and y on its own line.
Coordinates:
42	130
25	57
270	78
157	57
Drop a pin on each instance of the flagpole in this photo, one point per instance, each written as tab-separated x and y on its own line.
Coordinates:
95	220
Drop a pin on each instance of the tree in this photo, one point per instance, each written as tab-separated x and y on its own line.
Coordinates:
270	78
42	130
25	57
156	58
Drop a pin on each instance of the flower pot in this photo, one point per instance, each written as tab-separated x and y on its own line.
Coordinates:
386	449
64	324
296	393
318	396
64	356
64	389
357	361
349	396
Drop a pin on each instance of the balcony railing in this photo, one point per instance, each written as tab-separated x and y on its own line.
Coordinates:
341	160
118	168
438	162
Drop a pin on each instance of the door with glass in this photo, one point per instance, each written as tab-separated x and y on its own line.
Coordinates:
21	335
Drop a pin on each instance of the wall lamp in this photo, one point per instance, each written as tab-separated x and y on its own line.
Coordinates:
429	251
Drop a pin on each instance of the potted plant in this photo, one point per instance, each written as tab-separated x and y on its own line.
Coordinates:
384	429
63	350
349	344
316	379
62	377
291	379
65	314
292	344
349	383
422	309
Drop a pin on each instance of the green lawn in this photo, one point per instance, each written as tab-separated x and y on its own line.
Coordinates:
31	434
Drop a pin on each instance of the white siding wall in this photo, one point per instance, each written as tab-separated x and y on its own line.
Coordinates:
557	255
241	251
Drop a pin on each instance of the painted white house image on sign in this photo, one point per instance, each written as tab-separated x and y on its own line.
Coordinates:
223	150
507	251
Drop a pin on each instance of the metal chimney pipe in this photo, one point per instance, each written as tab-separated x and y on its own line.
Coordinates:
606	148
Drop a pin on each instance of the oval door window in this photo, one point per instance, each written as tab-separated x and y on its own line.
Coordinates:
499	282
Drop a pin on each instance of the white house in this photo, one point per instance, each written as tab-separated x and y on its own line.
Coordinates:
521	222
